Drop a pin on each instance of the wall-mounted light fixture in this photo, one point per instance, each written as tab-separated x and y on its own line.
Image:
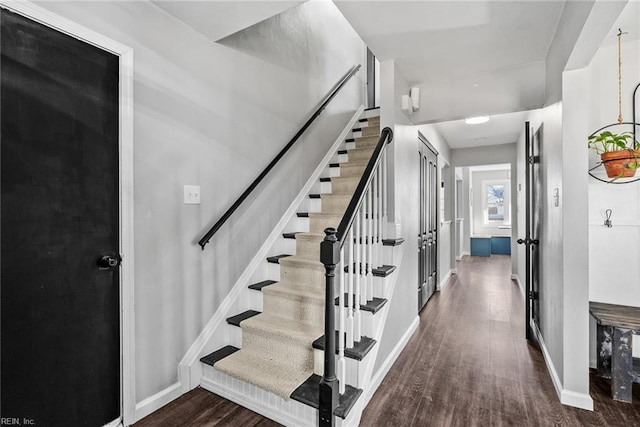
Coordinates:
411	102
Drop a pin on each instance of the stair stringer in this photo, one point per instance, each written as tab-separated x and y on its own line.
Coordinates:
216	331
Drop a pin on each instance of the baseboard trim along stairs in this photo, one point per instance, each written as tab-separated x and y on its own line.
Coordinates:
264	347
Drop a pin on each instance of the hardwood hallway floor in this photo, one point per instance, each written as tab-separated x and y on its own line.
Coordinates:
468	364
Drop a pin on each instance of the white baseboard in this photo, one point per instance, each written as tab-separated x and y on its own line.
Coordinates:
157	401
567	397
445	281
517	280
114	423
377	378
189	375
462	255
454	271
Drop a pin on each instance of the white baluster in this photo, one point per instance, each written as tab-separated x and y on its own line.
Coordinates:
342	367
370	241
376	214
356	270
380	261
364	212
350	273
384	191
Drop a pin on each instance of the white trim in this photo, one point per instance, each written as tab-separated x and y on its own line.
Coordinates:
249	403
567	397
114	423
189	374
157	401
127	343
517	280
377	378
445	281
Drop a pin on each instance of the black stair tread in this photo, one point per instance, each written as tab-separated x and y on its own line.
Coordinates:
334	165
383	271
220	354
350	140
307	393
258	286
315	196
393	242
357	352
372	108
303	214
326	179
289	235
276	258
373	306
343	151
235	320
356	130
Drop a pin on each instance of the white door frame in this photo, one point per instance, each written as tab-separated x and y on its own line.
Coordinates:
127	349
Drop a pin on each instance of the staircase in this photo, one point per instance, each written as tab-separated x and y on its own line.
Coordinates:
273	360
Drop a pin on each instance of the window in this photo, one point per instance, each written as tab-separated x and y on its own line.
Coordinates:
496	202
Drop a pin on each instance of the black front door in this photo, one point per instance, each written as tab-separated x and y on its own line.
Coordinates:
60	317
427	237
533	201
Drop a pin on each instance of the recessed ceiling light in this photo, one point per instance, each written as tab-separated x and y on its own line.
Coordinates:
476	120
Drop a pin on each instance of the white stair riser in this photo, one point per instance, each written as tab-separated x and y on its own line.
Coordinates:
354	375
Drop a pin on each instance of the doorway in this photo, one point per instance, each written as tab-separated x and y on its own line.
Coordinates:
427	237
66	192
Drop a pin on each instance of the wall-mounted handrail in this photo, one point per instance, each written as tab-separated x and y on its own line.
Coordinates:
209	234
368	209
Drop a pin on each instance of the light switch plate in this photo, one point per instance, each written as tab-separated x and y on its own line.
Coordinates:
191	194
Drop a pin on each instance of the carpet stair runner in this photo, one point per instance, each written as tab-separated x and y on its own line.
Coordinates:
278	343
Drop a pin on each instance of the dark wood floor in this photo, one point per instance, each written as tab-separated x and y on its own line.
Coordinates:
467	365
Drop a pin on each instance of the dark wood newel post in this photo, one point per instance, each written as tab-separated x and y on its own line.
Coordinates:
328	398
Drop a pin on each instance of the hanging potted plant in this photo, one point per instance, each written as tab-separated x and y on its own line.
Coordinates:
618	152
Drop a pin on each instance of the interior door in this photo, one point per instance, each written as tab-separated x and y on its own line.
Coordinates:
533	194
427	237
59	227
536	198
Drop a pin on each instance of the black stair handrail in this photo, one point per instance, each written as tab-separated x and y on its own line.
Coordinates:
330	248
386	136
209	234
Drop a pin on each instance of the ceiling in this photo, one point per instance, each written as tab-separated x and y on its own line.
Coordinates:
468	57
501	129
220	18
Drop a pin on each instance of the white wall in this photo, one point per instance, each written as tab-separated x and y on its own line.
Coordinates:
478	178
403	203
209	115
613	252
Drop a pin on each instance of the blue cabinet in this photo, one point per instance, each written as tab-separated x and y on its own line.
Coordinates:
501	245
481	245
487	245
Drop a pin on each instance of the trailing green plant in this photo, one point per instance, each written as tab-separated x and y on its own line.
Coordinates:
606	141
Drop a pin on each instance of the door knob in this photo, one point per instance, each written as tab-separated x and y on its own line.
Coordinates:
108	262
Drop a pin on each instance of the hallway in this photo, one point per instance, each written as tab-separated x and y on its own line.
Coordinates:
469	364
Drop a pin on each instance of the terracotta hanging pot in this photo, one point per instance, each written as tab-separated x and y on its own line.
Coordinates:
621	163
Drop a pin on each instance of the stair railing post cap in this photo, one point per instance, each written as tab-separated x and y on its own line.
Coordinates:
330	247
